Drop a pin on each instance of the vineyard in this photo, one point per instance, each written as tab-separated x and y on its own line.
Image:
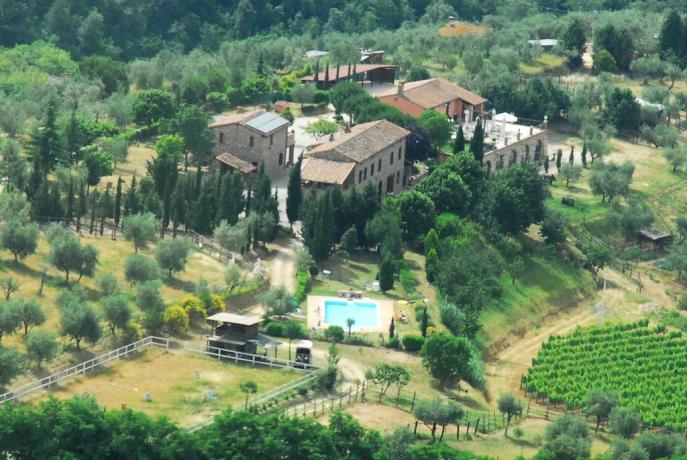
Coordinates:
647	367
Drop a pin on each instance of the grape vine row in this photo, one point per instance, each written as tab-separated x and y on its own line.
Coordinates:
647	367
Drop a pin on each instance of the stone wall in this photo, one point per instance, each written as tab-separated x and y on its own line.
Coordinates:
534	148
253	146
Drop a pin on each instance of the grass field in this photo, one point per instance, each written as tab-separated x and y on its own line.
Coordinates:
544	63
175	390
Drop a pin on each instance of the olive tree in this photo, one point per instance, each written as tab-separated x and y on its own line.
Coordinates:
172	255
140	229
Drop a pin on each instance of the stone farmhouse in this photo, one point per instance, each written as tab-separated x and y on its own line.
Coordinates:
245	140
439	94
371	152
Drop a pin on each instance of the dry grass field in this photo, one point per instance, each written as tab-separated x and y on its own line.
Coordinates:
175	390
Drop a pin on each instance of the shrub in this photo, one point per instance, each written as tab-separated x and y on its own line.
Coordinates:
394	343
413	343
408	281
334	333
176	319
321	96
275	329
448	225
327	377
303	278
314	270
358	340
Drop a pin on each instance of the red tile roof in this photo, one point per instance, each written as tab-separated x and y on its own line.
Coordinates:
325	171
434	92
343	71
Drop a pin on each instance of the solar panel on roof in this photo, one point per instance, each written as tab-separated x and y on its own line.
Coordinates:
267	122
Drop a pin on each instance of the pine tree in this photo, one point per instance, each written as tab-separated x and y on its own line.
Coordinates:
459	144
477	142
571	158
294	192
424	323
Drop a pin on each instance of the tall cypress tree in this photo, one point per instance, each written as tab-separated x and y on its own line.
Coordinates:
323	239
69	215
73	138
424	323
559	159
46	142
477	142
571	157
118	202
294	196
166	209
83	206
459	144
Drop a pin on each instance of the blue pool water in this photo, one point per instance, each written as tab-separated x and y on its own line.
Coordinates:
336	312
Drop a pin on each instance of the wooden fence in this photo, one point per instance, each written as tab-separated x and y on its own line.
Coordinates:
83	368
248	358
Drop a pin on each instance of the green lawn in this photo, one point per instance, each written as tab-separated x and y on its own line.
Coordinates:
545	62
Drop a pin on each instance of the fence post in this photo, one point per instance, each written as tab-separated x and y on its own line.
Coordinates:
476	426
357	385
415	429
398	396
528	406
412	404
458	431
349	394
467	429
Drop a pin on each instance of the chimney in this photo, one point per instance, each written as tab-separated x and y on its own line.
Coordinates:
401	83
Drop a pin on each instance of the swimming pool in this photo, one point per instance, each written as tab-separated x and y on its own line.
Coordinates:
365	314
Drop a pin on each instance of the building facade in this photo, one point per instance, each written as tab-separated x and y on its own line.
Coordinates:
254	137
369	153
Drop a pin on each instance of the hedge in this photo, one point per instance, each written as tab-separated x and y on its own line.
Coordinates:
413	343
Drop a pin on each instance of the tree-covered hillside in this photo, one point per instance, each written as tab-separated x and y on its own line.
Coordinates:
131	28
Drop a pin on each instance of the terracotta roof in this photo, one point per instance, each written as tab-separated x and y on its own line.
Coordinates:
235	162
403	104
325	171
364	140
235	118
435	92
343	71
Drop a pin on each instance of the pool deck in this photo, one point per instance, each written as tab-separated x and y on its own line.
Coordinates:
385	311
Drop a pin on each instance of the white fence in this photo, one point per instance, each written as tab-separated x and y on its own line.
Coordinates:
82	368
278	391
248	358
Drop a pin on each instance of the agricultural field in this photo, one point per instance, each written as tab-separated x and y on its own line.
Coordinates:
646	366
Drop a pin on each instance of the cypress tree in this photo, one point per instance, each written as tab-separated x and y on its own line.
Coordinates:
559	158
40	203
56	208
317	71
204	213
249	198
118	203
338	66
198	183
166	209
69	215
459	144
392	328
584	155
262	196
94	200
431	265
45	141
477	142
294	192
424	323
326	72
83	206
571	158
72	138
105	209
386	274
546	164
323	239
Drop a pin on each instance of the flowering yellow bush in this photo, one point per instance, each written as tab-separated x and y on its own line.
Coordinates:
194	307
431	330
176	319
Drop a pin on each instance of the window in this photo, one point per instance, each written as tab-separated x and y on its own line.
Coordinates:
372	169
379	165
360	176
398	177
271	139
251	141
391	158
365	173
400	150
221	138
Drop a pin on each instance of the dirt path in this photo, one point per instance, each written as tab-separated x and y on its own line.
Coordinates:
618	301
352	371
282	265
